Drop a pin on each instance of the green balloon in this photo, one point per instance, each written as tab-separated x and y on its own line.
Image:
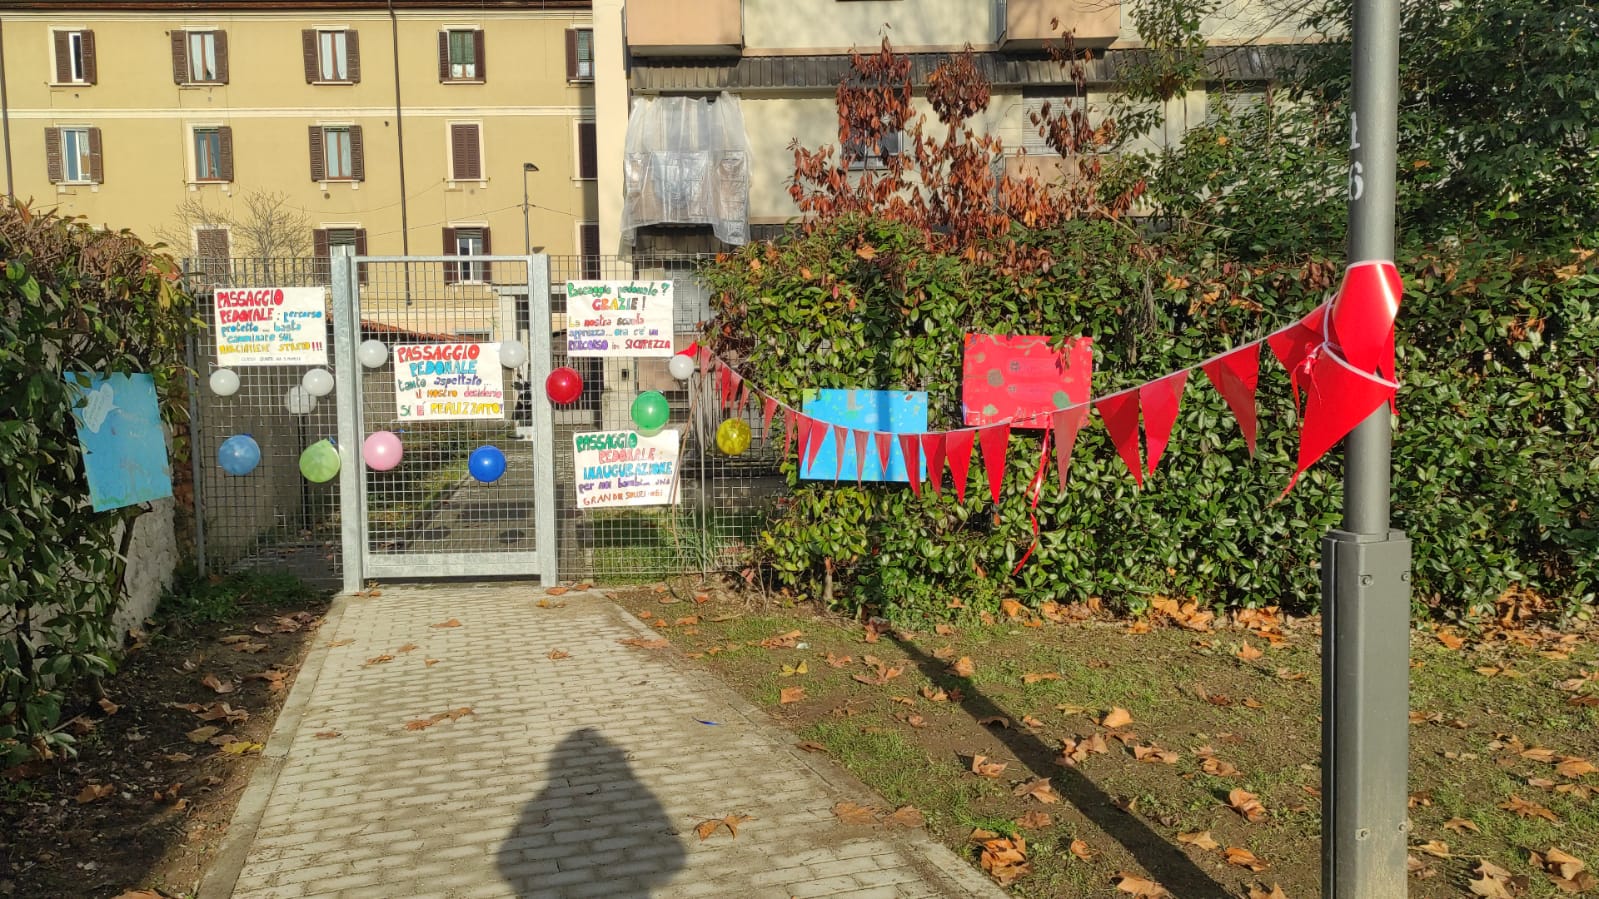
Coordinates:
650	412
320	462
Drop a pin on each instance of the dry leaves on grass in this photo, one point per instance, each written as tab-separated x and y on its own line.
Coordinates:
1075	751
838	661
792	670
790	694
1140	887
1450	639
645	642
1117	717
93	793
1525	809
1461	825
425	723
982	767
1247	804
781	641
883	673
1243	858
811	746
1218	768
1035	678
1565	871
1036	820
1187	614
1248	653
1030	721
963	667
705	828
1004	858
1201	839
1082	850
1039	788
1260	892
1434	848
1494	882
1155	754
934	694
1574	766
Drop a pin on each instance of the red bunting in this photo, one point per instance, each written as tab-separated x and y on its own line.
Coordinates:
767	412
885	450
743	397
1067	423
958	445
706	356
933	452
1361	320
994	440
729	386
1120	412
1160	400
860	455
838	451
1337	398
790	426
913	461
1235	376
810	442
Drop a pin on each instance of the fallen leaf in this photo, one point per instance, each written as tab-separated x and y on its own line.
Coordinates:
1527	809
998	721
139	894
1140	887
1037	820
251	647
792	670
982	767
555	591
934	694
1450	639
232	639
916	721
546	604
854	813
109	707
1079	848
429	663
558	654
1201	839
1435	848
731	822
328	734
905	816
273	677
944	653
1038	788
781	641
1493	882
790	694
1155	754
811	746
838	661
1247	804
241	747
377	660
1218	768
1461	825
1261	893
453	622
943	630
1005	859
645	642
1030	721
963	667
334	644
452	715
1248	653
94	792
1116	717
1011	608
202	734
409	647
178	757
1574	766
1243	858
221	711
1035	678
1538	754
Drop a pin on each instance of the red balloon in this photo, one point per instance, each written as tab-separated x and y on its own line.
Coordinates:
564	385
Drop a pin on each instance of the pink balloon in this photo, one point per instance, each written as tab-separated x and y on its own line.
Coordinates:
382	451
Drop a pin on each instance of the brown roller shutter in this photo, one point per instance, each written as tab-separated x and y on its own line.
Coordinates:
225	153
360	250
319	171
482	60
52	154
322	253
63	43
180	57
91	69
352	52
588	239
452	271
222	56
488	250
571	54
309	50
357	154
444	56
96	159
588	164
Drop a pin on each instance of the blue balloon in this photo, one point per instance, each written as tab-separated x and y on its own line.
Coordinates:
239	454
486	464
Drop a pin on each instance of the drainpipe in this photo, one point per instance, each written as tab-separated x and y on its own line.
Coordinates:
399	131
5	112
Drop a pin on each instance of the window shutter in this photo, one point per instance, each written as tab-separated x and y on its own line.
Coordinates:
452	271
63	42
571	54
588	238
352	53
357	154
318	160
225	153
482	60
360	250
444	56
309	49
466	163
52	154
91	70
322	253
180	57
96	160
222	56
588	164
487	249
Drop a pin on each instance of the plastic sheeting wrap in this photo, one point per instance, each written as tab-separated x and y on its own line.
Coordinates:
687	161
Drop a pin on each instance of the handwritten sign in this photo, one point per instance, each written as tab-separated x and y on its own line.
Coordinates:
619	318
443	381
271	326
625	468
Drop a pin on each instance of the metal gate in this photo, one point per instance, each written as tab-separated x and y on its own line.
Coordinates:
428	516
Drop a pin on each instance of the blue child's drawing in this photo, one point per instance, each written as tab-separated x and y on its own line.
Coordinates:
124	446
888	411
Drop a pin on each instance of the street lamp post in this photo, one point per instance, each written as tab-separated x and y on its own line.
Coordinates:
527	232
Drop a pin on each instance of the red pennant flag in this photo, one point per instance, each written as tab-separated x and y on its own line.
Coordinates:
860	455
885	450
1337	398
1361	320
908	444
1120	412
803	427
743	397
1293	345
1235	376
933	452
1160	400
790	425
838	451
1067	423
995	439
766	418
705	362
818	437
729	383
958	445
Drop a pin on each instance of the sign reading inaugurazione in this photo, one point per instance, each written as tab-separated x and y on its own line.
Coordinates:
619	318
443	381
625	468
271	326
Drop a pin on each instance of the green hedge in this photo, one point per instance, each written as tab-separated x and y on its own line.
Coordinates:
1494	464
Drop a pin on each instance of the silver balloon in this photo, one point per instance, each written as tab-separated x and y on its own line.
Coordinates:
224	382
372	353
681	366
299	401
512	353
317	382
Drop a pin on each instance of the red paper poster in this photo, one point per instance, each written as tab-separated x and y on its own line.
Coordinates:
1023	378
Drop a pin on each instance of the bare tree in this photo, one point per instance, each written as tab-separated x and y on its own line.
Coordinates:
270	237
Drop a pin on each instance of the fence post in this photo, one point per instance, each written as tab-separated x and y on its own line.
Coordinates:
347	371
196	428
539	354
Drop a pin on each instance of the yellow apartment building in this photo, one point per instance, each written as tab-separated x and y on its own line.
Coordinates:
401	127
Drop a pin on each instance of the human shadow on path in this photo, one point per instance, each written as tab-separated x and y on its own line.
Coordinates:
626	838
1166	863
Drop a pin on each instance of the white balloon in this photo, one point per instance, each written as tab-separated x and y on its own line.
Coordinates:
299	401
317	382
372	353
681	366
224	382
512	353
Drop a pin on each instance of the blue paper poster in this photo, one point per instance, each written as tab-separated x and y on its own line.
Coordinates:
889	411
124	446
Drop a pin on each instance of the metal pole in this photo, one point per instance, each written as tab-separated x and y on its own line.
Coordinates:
347	373
1365	573
5	112
527	230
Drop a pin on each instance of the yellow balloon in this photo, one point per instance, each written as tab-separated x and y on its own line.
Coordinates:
733	436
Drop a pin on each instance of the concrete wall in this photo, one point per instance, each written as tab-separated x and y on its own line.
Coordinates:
152	558
830	26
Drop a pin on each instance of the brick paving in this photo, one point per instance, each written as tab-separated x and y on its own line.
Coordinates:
576	777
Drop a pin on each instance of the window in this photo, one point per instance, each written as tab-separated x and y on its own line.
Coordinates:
337	153
72	155
466	152
74	57
461	55
325	240
213	154
580	54
331	55
470	241
211	246
200	57
588	165
861	154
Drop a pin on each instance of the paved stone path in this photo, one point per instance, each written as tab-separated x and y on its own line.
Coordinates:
575	777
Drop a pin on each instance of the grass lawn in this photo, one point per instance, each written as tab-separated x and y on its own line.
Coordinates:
1502	728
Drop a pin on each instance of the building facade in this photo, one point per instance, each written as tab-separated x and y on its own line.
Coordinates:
253	128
